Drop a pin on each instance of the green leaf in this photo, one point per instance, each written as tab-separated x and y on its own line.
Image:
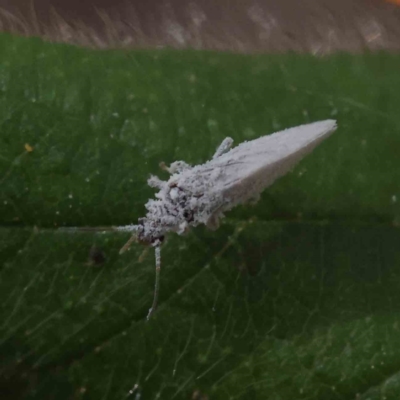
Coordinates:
295	298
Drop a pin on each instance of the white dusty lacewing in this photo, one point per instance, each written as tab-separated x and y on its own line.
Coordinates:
200	194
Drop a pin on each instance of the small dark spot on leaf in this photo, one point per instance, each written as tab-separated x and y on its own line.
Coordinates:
28	148
197	395
96	256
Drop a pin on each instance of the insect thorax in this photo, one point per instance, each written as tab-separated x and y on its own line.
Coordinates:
187	199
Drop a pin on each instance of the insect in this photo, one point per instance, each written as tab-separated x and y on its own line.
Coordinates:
200	194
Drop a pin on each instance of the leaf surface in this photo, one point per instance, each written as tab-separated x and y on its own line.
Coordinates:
295	298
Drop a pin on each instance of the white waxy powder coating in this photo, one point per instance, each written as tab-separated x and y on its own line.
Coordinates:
200	194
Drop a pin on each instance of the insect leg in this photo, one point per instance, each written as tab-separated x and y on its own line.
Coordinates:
128	244
175	167
155	182
157	283
223	147
143	254
163	166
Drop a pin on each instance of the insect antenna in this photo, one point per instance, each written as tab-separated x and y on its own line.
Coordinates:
157	282
127	228
73	229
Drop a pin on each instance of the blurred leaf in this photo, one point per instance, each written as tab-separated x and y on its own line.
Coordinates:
300	302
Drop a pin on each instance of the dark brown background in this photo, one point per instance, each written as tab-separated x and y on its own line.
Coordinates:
317	26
